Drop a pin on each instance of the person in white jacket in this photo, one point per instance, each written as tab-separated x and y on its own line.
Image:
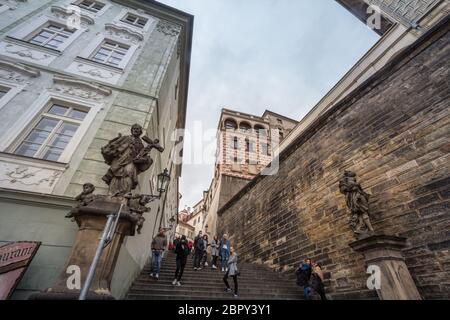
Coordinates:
232	271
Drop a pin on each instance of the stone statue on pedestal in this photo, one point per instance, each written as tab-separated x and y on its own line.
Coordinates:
127	157
358	203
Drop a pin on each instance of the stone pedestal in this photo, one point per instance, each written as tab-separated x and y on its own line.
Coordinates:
91	220
386	252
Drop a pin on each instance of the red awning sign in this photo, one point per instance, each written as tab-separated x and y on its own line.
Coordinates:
15	257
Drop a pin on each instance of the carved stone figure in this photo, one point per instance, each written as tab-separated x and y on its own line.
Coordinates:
84	198
358	203
127	157
137	205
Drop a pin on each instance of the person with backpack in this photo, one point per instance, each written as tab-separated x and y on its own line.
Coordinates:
317	281
182	252
303	276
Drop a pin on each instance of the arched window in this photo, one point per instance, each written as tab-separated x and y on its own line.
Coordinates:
245	127
230	124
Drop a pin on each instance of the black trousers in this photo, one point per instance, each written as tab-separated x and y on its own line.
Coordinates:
321	291
225	280
204	258
181	263
214	260
197	257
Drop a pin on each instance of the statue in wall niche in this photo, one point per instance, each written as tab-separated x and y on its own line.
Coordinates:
127	157
358	203
137	205
84	198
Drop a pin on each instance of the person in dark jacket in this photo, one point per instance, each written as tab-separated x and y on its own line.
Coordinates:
182	252
317	281
204	259
194	247
198	253
303	276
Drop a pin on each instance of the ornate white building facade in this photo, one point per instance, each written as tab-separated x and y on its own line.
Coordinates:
74	74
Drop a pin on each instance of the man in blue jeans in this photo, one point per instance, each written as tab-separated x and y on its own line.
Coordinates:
159	244
224	252
303	276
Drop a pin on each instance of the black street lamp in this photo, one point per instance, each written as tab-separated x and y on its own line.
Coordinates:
163	181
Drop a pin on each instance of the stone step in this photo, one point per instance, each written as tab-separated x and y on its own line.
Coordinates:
218	280
208	296
257	282
213	289
190	281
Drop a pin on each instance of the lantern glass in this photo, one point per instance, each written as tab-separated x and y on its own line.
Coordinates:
163	181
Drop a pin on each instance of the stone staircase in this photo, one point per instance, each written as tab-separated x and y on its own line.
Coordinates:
255	283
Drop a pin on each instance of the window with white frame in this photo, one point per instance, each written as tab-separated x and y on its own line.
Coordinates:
110	52
135	20
92	6
52	132
51	35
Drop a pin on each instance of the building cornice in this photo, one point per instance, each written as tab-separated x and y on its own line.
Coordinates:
36	199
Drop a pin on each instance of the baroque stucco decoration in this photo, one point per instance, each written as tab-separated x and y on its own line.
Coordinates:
26	53
168	29
28	177
123	33
12	4
94	72
80	88
17	72
65	13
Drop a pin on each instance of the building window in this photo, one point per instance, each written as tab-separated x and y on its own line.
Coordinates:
51	35
92	6
52	133
111	53
230	125
249	145
135	20
3	91
260	131
245	127
265	149
279	121
236	143
281	135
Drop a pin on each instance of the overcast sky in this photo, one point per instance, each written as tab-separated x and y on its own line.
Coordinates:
253	55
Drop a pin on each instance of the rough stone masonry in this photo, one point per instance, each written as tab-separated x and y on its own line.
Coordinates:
394	132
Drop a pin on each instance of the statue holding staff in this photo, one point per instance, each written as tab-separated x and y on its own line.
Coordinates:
127	157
